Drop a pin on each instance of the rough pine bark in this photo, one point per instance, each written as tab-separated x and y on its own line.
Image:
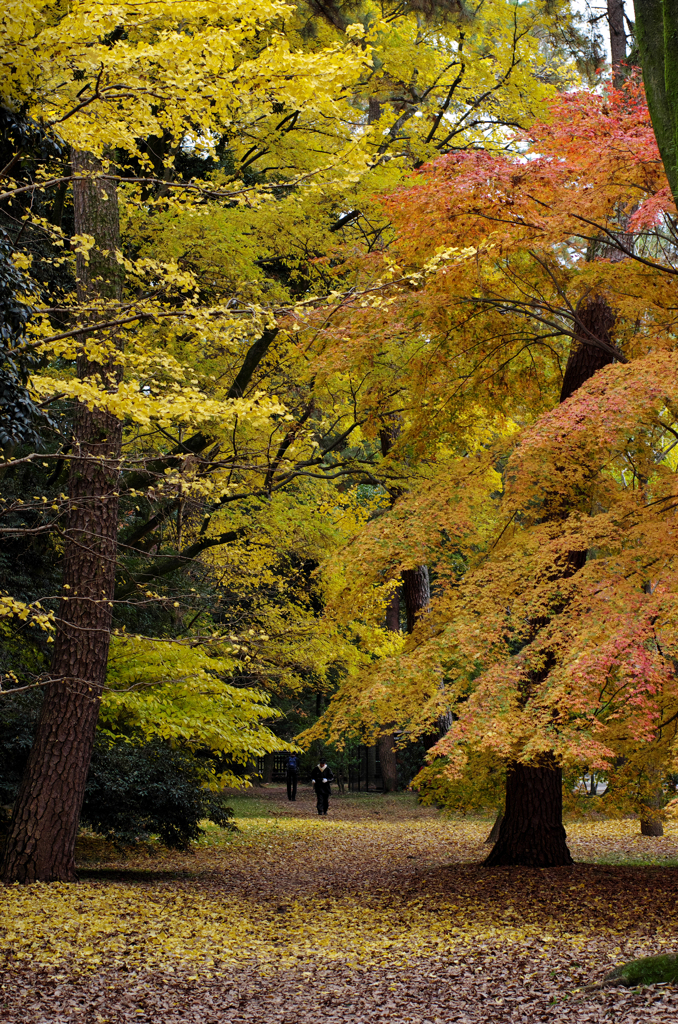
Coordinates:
41	841
657	37
532	832
615	18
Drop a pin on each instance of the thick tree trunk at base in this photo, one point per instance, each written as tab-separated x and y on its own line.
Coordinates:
650	821
532	832
41	844
651	827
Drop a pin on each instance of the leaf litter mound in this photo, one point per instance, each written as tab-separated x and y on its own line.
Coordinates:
381	912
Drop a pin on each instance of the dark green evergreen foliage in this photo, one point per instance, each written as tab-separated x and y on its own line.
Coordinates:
18	719
18	412
30	567
134	790
24	136
24	145
410	761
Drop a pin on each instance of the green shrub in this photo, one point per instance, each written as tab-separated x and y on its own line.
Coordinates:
649	970
134	790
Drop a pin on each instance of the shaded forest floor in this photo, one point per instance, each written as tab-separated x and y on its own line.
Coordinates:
380	912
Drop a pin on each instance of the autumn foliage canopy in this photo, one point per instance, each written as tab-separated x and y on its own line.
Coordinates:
549	528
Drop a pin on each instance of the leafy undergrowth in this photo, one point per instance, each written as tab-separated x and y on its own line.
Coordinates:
380	912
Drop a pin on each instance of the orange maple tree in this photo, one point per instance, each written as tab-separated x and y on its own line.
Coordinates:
550	528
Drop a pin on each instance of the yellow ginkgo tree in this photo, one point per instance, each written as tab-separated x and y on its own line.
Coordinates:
187	179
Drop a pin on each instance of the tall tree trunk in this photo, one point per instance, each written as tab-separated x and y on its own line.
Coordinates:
657	35
532	832
269	764
416	597
615	18
386	742
41	841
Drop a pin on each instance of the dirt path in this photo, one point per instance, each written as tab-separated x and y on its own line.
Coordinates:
381	912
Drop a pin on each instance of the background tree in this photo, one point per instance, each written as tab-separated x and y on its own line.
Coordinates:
111	385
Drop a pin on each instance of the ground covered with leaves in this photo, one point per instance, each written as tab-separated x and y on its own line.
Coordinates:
380	912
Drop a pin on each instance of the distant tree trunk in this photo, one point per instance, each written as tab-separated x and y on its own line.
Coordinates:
417	596
386	741
255	776
615	18
373	110
532	833
532	830
387	760
41	841
372	767
393	612
269	761
650	821
595	319
650	826
416	593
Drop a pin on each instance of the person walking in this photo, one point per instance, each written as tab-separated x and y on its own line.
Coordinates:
292	770
321	776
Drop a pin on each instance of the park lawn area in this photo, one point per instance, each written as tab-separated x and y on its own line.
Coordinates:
380	912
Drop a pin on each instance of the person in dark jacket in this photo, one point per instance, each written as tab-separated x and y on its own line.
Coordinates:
292	770
321	776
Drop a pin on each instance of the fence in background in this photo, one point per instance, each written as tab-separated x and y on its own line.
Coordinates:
363	776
